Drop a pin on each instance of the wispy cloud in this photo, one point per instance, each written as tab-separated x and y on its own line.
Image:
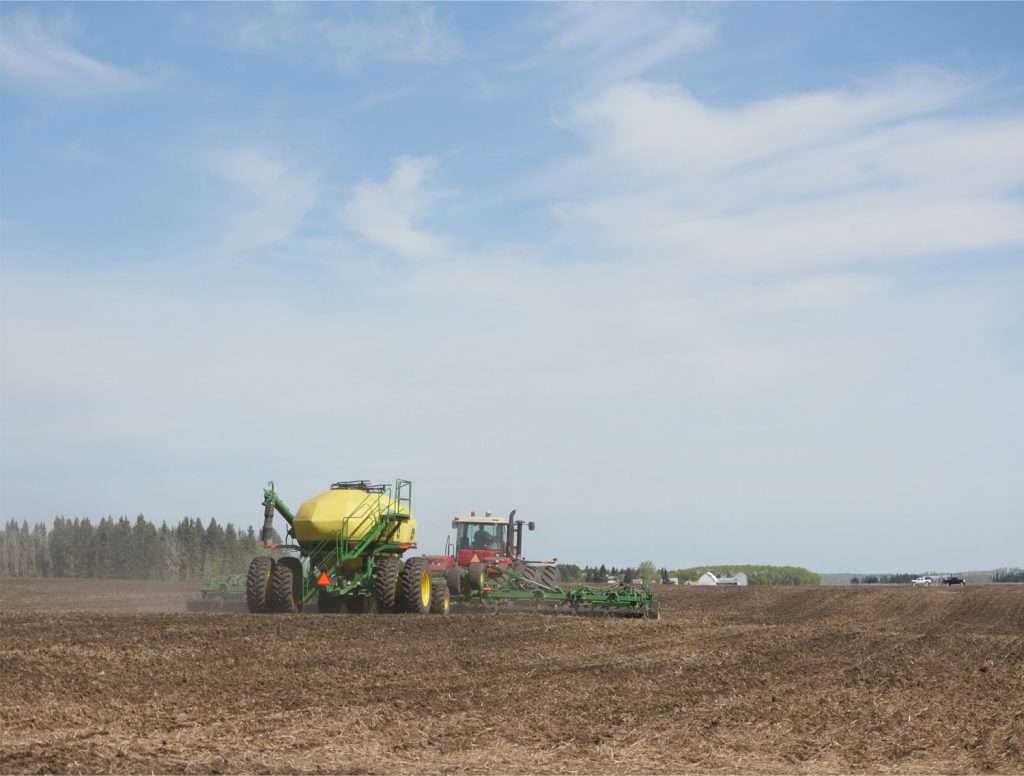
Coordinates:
37	54
868	174
267	195
612	42
389	34
389	213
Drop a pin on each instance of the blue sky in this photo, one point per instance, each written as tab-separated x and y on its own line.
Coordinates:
688	283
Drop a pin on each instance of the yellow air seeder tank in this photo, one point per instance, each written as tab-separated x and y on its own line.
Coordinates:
353	511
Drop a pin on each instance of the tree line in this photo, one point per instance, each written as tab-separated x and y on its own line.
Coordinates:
194	552
123	549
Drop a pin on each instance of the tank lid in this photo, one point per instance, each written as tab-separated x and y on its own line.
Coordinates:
363	485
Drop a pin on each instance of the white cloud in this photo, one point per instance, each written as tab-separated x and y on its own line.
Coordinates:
386	34
267	196
868	174
409	37
611	42
37	54
388	213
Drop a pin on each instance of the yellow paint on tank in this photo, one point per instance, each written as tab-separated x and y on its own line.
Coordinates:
353	510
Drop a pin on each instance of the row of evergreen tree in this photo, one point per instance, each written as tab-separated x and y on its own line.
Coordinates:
122	549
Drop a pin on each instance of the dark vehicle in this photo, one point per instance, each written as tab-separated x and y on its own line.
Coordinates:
954	580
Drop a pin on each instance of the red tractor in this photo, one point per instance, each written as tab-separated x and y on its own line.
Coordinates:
486	541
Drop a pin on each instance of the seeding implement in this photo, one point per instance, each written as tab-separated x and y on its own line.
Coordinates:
220	594
350	541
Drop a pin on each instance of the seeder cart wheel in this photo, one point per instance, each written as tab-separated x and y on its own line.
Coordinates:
257	584
440	602
385	583
414	586
284	580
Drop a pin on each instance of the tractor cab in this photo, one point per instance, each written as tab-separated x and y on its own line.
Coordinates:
481	539
486	539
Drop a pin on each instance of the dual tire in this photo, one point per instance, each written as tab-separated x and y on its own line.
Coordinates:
440	601
273	585
258	588
415	590
544	575
386	575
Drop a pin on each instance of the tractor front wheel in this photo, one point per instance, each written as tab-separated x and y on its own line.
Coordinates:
414	587
475	577
454	579
257	584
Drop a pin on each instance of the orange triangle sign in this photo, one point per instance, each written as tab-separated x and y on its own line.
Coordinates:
474	559
323	580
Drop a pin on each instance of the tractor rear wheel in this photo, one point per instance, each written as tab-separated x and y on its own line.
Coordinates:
531	574
440	602
549	576
475	577
652	611
454	579
284	580
257	584
385	582
414	586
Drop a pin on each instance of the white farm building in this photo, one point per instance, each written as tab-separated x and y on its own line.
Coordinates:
709	578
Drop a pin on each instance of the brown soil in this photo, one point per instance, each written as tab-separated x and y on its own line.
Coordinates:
756	680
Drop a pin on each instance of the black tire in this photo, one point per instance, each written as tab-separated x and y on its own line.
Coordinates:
385	583
531	574
284	582
652	611
257	584
549	576
414	586
328	604
440	602
454	579
477	576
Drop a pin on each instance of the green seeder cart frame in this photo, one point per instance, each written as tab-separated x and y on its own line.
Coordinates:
367	536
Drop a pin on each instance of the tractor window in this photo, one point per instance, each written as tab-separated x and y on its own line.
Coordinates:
481	536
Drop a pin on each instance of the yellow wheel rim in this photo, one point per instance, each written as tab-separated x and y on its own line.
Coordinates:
445	605
425	589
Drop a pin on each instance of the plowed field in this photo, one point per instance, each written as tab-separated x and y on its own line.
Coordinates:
114	677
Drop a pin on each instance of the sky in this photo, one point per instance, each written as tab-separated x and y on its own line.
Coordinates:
711	283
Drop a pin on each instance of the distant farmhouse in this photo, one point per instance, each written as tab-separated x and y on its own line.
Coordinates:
709	578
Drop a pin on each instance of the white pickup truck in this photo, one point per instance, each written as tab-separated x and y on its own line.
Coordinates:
921	582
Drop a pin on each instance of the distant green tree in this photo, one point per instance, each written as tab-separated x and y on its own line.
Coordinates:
647	572
570	572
